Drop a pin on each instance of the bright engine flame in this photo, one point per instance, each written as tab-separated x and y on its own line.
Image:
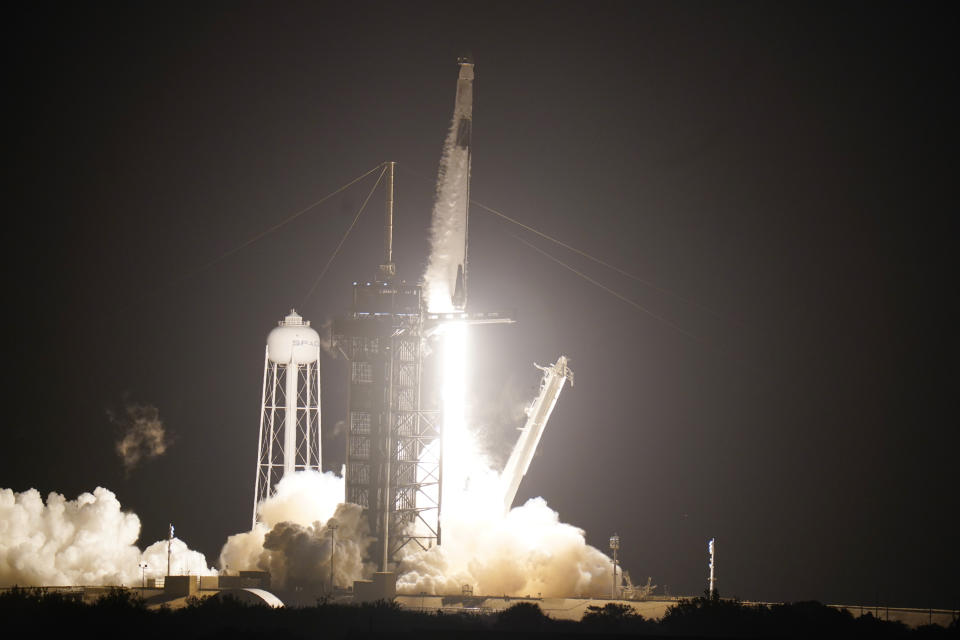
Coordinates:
456	439
469	482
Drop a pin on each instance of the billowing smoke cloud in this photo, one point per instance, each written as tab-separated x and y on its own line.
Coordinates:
183	560
143	435
527	552
292	540
87	541
300	555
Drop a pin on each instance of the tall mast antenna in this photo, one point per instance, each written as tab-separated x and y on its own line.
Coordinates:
388	269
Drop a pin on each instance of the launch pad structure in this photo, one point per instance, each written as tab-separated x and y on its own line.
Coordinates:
394	447
393	467
394	461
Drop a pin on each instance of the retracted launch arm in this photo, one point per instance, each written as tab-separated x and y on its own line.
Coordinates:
537	416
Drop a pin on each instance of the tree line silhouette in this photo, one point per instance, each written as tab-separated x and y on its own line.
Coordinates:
122	613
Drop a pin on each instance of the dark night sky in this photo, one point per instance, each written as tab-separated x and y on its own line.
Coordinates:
780	170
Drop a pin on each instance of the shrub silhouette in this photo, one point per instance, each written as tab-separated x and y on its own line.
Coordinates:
613	617
523	616
119	599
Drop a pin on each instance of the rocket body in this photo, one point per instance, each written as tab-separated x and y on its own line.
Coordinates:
446	275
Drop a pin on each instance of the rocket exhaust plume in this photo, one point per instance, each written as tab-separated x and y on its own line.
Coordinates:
522	551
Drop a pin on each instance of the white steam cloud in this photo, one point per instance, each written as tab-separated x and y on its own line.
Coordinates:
87	541
143	435
527	552
292	540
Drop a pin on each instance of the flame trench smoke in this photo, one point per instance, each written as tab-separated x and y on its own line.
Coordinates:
525	551
292	540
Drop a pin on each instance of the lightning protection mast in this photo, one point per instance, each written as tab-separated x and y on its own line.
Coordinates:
290	406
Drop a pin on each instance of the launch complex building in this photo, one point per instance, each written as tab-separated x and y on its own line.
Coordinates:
394	452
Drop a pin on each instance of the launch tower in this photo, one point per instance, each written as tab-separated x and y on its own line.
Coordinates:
393	453
394	449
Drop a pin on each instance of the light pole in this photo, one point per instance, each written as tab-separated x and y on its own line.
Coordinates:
712	579
332	526
143	575
169	544
615	546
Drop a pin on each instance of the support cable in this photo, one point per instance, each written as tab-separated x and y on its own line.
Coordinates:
640	307
345	236
610	291
586	255
197	270
285	221
599	261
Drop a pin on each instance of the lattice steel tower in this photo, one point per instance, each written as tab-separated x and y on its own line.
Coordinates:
393	447
290	408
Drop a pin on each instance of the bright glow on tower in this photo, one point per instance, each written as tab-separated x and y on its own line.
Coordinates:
457	447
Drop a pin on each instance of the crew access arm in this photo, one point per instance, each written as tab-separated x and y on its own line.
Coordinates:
537	416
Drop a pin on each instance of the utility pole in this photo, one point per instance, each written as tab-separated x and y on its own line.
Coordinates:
332	526
712	580
169	543
615	546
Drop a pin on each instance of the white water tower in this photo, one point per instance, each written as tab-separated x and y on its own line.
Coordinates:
290	409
